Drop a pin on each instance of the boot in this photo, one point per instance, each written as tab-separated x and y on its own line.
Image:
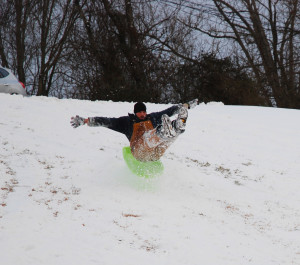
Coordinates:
166	130
180	122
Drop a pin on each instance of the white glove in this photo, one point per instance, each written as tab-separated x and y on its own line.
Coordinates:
77	121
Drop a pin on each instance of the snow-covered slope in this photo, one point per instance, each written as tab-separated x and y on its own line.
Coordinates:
229	193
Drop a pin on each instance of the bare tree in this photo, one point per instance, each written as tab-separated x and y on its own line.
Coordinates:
22	9
123	59
52	23
14	17
33	40
102	71
4	21
267	34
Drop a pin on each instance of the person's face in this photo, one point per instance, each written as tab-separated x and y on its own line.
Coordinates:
141	115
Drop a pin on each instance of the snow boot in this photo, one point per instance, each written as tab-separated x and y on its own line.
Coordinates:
191	104
180	122
166	130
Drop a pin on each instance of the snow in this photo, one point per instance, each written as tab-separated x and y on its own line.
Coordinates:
229	193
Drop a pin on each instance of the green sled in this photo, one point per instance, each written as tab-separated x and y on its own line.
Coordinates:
142	169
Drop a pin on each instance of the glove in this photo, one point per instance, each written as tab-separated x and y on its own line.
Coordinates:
191	104
77	121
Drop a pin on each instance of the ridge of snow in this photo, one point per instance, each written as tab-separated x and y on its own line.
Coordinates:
229	193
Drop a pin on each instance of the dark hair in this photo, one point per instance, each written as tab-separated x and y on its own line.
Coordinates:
139	106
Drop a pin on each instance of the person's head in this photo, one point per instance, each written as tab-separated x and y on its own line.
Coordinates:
140	110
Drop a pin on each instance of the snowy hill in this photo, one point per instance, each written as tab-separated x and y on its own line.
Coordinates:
229	193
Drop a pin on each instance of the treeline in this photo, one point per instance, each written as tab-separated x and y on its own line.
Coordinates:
242	52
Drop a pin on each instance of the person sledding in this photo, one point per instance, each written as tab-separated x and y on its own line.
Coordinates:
149	134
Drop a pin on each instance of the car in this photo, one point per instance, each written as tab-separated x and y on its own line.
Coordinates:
10	84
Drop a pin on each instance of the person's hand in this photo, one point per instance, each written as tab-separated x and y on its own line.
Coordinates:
77	121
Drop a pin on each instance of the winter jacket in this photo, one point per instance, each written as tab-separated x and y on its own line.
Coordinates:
124	124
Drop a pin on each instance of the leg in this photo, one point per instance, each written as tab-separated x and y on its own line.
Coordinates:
180	122
170	129
166	129
151	147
